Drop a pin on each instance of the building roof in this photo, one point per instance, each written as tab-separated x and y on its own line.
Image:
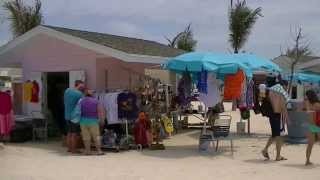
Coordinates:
125	44
284	62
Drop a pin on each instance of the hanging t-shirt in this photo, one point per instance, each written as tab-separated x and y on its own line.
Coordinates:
202	85
110	102
233	85
213	96
127	106
35	92
27	91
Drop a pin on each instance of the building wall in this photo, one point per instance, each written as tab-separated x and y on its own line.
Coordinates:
47	54
120	74
43	53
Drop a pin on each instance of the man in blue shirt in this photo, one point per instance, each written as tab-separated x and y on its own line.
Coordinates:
71	98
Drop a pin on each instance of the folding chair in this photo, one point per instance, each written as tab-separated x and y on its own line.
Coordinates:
221	130
39	126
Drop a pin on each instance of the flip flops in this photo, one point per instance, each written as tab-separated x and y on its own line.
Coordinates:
281	159
265	154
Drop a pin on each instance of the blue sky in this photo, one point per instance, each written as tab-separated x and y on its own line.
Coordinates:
155	19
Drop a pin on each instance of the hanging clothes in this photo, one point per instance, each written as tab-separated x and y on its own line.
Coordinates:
213	97
243	96
184	88
202	82
250	94
27	91
233	85
127	106
6	114
35	92
110	103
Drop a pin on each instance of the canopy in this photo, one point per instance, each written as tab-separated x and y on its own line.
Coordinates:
305	77
220	63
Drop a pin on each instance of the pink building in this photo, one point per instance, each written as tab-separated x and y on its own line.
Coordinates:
55	57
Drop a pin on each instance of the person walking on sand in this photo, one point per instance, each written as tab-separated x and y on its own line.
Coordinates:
91	114
71	98
274	107
312	104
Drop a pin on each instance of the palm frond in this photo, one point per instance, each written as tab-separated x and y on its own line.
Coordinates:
241	22
22	17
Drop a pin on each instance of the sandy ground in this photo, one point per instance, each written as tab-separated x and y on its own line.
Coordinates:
181	160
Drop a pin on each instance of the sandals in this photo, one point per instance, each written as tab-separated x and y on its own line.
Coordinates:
309	164
265	154
281	159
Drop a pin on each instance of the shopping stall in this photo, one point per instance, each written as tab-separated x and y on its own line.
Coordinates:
217	77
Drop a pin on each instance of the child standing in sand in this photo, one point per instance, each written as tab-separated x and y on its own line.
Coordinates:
312	105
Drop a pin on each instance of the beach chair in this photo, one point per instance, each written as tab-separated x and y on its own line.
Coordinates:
221	130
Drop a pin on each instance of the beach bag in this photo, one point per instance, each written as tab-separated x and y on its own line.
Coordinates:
168	126
266	108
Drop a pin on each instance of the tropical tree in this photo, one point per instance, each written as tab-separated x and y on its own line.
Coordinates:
298	52
183	40
241	21
23	17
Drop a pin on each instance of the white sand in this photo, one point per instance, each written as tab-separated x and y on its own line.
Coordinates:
181	160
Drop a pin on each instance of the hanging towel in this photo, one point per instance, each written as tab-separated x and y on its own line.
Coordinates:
233	85
213	97
280	90
27	91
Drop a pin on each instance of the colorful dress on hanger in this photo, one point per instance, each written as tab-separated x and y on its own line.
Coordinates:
35	92
6	114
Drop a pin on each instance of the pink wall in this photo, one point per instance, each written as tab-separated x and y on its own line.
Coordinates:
43	53
47	54
118	72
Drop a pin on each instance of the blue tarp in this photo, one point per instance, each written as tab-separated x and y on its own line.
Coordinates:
220	63
305	77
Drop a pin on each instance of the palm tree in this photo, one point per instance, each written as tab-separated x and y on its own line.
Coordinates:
23	17
183	40
241	21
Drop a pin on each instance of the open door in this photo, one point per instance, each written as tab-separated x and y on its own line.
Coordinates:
76	75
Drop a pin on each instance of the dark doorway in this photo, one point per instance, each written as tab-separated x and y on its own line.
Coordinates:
57	83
